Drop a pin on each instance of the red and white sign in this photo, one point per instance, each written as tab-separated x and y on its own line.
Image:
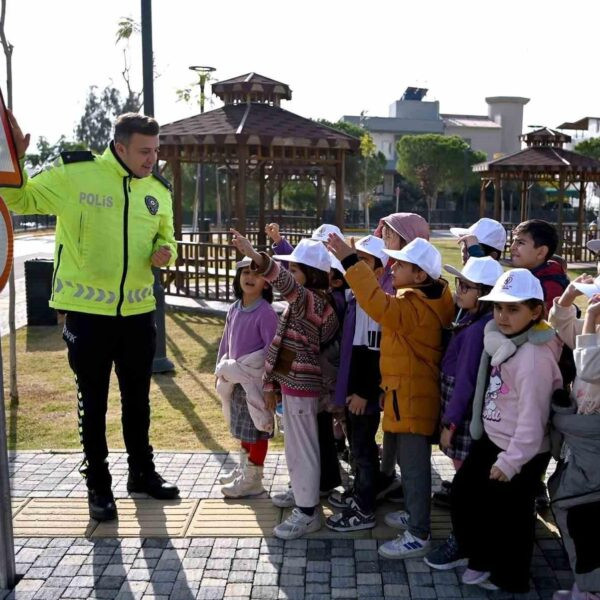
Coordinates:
10	169
6	244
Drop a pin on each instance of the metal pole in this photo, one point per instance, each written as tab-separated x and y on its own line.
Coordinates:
161	363
8	572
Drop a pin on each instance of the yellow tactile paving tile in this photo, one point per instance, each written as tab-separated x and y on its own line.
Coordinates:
17	504
146	517
234	518
53	517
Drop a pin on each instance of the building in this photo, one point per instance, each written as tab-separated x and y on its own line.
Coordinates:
495	133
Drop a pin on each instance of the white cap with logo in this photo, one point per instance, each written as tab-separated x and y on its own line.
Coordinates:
516	285
311	253
374	246
589	289
421	253
594	246
487	231
484	270
323	232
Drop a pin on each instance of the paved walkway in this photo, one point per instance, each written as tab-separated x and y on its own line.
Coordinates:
204	547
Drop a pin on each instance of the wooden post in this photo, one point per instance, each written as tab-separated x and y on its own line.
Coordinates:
497	190
262	240
339	191
580	220
240	190
561	201
279	195
319	198
524	199
177	199
482	199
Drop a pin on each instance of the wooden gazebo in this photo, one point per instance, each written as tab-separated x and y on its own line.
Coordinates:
253	137
543	161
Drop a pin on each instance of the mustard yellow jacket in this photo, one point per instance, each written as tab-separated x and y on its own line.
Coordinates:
411	348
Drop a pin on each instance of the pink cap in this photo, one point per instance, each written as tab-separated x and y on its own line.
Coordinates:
408	226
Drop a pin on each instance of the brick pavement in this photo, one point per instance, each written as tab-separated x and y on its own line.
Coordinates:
185	568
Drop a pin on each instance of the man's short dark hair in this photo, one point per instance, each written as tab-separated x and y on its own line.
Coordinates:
129	123
542	233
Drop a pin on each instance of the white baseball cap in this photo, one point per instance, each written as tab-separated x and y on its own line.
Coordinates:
374	246
516	285
487	231
483	270
421	253
241	264
336	264
322	232
311	253
589	289
594	246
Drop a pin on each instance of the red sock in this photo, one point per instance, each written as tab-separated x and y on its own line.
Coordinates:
257	451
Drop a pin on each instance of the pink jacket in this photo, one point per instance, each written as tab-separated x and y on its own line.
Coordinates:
517	401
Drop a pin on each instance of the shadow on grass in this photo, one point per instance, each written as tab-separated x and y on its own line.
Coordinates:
179	400
44	339
185	321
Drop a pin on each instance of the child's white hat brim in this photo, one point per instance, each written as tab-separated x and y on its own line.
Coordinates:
589	289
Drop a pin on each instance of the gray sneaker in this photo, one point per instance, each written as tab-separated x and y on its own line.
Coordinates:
284	499
298	524
446	556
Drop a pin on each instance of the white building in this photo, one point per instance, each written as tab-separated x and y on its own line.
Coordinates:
495	133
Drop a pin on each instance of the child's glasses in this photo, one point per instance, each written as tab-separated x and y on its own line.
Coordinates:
463	286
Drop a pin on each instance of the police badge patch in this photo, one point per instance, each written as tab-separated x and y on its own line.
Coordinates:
151	204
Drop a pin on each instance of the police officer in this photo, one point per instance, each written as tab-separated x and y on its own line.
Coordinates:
114	223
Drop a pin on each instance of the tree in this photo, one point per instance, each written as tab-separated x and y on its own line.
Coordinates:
436	162
589	148
47	153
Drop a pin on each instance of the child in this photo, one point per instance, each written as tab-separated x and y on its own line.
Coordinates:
493	493
358	389
534	243
396	230
411	347
330	465
293	364
486	237
458	375
575	486
249	329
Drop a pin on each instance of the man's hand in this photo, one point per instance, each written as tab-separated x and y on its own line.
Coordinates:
161	257
244	247
356	404
497	474
270	401
446	438
339	248
21	141
571	292
272	230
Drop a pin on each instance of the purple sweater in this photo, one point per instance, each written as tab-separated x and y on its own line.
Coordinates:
248	329
461	361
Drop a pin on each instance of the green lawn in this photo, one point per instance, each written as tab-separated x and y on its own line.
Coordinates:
186	413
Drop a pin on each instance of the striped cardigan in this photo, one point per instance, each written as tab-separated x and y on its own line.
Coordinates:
308	322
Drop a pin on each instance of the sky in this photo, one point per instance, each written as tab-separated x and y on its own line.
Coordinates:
339	57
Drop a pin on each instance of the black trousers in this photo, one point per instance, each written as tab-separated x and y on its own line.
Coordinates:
494	521
363	429
330	465
95	343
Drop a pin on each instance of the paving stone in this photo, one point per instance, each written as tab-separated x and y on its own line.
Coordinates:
395	590
263	592
243	565
241	577
366	555
49	593
109	582
288	580
292	593
417	579
266	579
343	582
447	591
420	591
344	593
238	589
163	576
210	593
317	577
368	579
367	567
369	591
317	588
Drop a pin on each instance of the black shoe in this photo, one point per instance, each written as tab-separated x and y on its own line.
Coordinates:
152	484
102	505
442	498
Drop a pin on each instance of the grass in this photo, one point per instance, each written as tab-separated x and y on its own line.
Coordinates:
186	412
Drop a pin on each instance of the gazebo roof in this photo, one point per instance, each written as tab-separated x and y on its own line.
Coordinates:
253	124
253	87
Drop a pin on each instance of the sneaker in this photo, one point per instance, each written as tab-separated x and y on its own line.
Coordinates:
102	505
351	519
386	485
446	556
405	546
297	525
237	470
340	499
473	577
397	519
153	484
442	498
488	585
284	499
249	483
396	496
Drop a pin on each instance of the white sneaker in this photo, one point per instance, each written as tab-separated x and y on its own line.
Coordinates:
284	499
249	483
237	470
397	519
298	524
405	546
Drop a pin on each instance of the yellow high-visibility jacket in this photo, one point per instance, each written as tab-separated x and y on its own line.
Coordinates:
109	223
